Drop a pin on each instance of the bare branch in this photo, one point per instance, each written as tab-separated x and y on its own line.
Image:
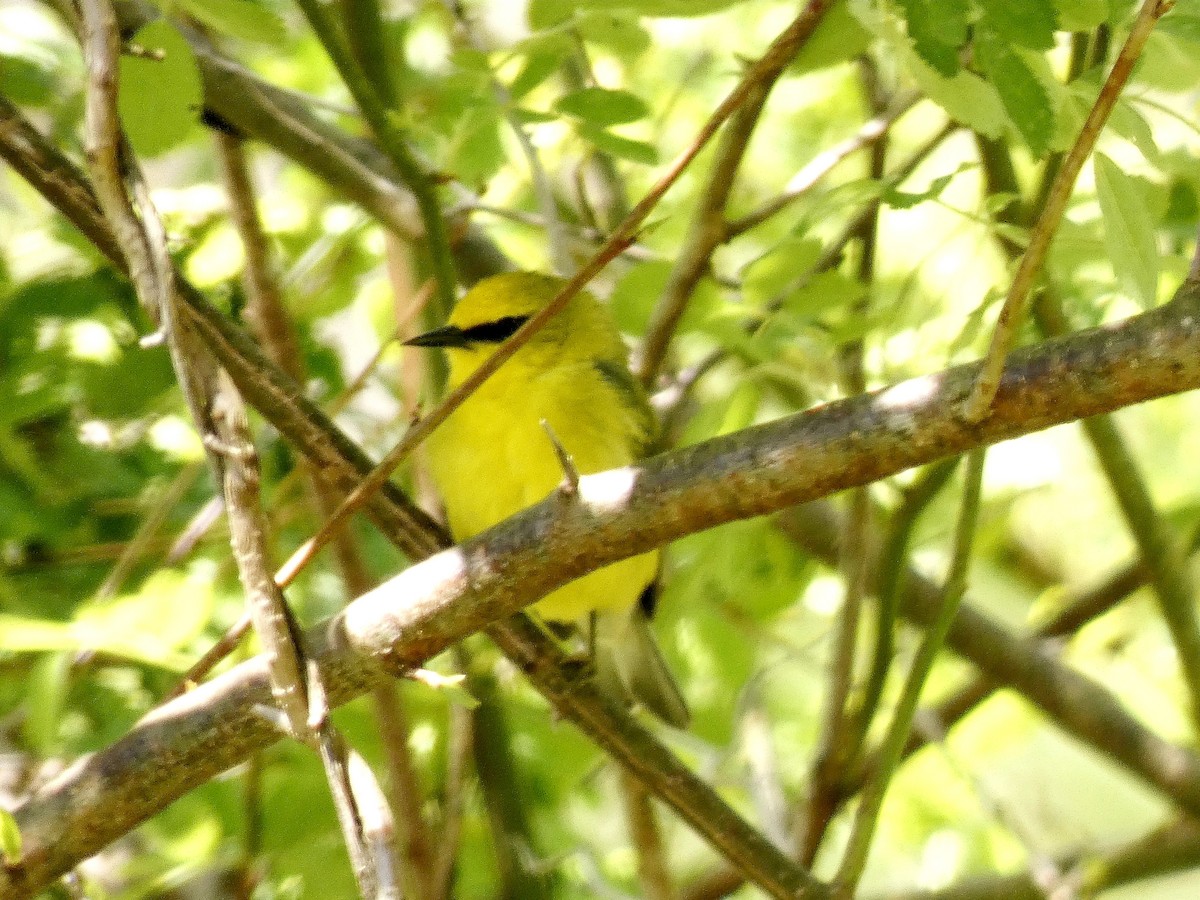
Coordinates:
773	466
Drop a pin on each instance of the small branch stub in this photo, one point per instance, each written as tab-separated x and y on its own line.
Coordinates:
570	483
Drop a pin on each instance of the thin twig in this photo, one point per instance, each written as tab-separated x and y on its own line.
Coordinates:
378	828
762	765
833	746
773	466
654	875
558	247
1169	367
891	570
1173	586
871	800
1073	702
655	766
707	229
570	483
775	57
823	163
1013	311
394	143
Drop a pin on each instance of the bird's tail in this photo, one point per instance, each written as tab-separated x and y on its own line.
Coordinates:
630	666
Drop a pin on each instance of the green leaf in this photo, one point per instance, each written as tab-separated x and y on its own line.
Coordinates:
475	151
1128	231
1132	125
1026	23
45	694
667	8
1168	63
965	97
538	67
824	292
27	81
1025	99
543	14
634	297
619	32
603	108
243	19
898	199
551	13
623	147
766	277
1182	26
533	116
159	99
938	28
150	626
1081	15
10	838
838	38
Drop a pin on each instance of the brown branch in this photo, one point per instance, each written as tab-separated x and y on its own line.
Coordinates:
1170	577
825	450
870	803
216	407
653	764
834	745
749	473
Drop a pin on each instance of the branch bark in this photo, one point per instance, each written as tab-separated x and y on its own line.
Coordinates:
750	473
621	513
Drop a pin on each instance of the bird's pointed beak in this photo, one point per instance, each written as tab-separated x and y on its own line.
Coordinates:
446	336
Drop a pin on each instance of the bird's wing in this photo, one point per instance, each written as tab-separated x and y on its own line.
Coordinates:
643	427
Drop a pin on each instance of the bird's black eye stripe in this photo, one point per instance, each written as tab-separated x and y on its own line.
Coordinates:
493	332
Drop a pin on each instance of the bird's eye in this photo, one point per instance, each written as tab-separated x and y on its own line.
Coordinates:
493	332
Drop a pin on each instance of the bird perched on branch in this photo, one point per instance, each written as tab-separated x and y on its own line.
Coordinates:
496	454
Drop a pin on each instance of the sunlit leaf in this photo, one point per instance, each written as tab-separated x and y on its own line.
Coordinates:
602	108
1024	97
621	147
839	37
150	626
1128	230
938	28
160	96
1026	23
245	19
10	838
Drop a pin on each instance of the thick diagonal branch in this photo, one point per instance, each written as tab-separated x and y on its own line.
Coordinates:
621	513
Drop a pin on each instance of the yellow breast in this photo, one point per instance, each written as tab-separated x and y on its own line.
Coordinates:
492	458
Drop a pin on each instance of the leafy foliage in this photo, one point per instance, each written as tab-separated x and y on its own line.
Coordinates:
112	583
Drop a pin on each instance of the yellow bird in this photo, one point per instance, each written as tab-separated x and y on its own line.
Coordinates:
493	457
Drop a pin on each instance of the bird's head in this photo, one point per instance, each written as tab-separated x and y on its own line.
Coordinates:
496	307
